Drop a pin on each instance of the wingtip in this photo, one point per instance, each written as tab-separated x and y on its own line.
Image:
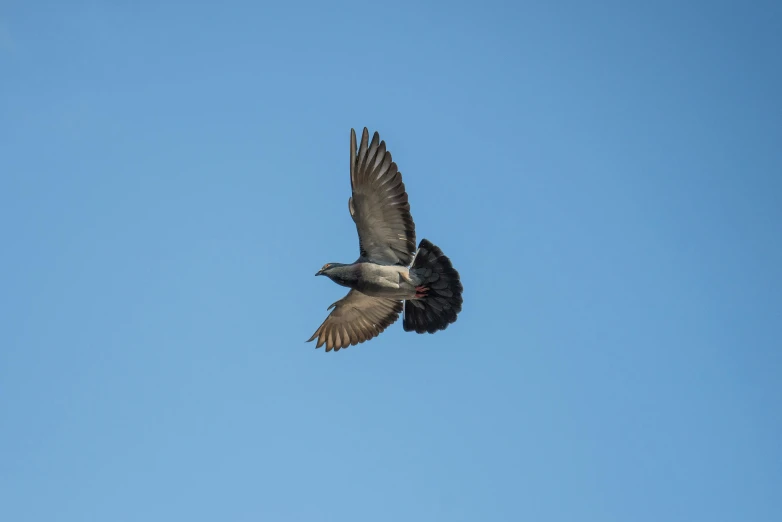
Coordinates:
375	141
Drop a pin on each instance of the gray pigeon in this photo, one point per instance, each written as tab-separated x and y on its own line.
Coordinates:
388	271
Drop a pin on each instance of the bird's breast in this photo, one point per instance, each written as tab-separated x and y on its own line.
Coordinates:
385	281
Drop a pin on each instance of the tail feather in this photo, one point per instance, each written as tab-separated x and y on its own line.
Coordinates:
443	301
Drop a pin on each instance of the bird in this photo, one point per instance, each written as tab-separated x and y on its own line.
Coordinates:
390	275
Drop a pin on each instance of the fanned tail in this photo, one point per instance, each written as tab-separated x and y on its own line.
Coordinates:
443	289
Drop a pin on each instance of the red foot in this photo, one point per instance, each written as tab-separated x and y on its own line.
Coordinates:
421	292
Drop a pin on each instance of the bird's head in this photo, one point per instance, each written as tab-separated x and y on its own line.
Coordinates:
327	267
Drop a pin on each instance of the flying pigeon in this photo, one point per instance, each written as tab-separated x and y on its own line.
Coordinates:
389	270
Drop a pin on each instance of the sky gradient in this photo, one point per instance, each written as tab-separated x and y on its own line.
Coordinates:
606	176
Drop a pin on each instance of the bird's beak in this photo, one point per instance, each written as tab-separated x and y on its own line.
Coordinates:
319	272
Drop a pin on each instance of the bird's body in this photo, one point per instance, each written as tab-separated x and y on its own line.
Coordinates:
391	281
389	270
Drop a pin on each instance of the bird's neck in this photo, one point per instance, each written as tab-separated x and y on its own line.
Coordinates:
345	275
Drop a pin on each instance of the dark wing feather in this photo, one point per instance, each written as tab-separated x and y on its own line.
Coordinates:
379	206
356	318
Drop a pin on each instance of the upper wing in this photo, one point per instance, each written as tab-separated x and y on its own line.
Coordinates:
379	206
356	318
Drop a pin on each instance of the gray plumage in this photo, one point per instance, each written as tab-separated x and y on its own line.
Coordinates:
382	277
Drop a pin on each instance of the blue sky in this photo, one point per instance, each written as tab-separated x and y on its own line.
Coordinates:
606	176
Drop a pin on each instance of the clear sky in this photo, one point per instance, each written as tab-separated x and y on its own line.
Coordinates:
606	176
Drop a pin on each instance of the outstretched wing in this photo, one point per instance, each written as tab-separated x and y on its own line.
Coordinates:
356	318
379	206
